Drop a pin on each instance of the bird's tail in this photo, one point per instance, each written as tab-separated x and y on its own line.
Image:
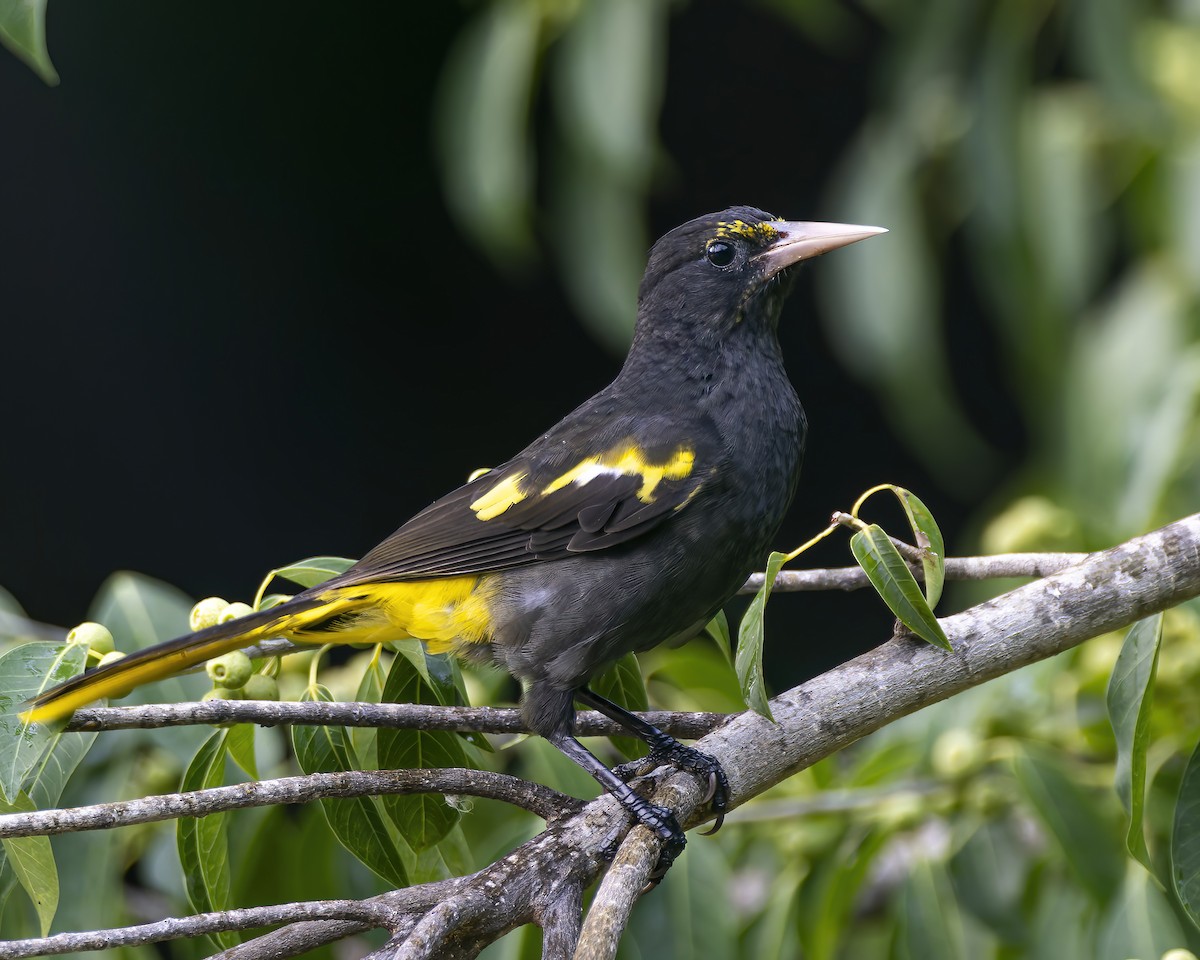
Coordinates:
171	656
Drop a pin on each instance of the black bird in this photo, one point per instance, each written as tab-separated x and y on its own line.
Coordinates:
627	524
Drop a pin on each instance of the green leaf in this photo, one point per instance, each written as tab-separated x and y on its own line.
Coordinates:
32	861
624	685
930	925
23	31
718	629
141	611
314	570
370	690
26	670
484	127
829	892
894	582
991	874
422	819
356	821
1185	839
1074	818
239	741
748	662
202	842
929	541
1130	695
1140	922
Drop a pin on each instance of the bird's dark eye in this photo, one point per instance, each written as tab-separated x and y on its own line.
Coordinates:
720	254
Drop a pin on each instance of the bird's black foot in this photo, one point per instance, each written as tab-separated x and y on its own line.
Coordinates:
671	751
663	824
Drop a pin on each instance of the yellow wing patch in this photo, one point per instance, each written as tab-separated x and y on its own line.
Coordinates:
503	495
627	461
759	233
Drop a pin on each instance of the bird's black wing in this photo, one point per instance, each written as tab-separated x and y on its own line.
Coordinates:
544	505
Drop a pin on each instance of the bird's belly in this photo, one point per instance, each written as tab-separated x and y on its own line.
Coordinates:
562	622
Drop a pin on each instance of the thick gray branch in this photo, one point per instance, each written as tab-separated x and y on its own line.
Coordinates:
546	803
1106	591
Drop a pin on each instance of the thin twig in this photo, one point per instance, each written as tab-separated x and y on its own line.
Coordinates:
365	913
408	716
957	568
546	803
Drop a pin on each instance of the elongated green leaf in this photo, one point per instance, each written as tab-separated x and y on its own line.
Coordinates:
623	684
32	861
991	874
202	841
314	570
1130	694
26	670
141	611
828	893
930	923
1185	839
356	821
484	129
422	819
894	582
718	629
748	661
929	541
239	741
370	690
23	31
1140	922
1075	819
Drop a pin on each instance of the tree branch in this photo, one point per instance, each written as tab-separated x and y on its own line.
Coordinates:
548	804
957	568
1106	591
419	716
365	914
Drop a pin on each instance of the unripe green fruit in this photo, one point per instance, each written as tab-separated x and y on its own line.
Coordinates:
230	671
233	611
94	636
111	657
261	687
206	613
225	693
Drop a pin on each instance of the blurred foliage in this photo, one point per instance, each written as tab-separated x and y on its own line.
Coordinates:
1045	155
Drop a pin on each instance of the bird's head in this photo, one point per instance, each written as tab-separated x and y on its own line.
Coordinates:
730	269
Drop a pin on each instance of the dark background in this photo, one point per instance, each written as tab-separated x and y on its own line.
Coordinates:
240	327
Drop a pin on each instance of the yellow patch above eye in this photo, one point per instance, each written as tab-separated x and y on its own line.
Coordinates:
759	233
502	496
627	461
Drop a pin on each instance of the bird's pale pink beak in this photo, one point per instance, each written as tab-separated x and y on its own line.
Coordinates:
803	239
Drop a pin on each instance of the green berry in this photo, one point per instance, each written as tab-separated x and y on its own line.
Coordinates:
206	613
233	611
230	671
225	693
111	657
261	687
94	636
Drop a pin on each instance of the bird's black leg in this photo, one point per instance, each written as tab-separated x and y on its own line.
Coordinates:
666	749
658	819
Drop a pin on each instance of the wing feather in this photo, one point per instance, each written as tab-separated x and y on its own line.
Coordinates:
537	508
